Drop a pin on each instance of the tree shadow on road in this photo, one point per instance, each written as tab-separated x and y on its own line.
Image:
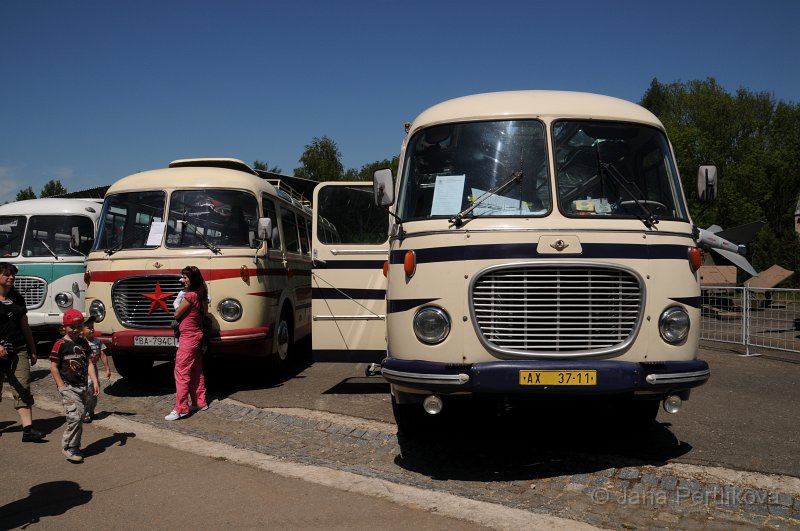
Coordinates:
46	499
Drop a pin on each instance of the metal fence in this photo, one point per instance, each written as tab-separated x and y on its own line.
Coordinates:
752	317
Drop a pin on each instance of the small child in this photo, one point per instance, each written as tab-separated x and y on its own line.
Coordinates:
97	347
175	324
70	368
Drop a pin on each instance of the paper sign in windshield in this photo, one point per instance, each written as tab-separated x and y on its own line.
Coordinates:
447	195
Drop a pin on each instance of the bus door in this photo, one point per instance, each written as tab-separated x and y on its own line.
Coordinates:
349	247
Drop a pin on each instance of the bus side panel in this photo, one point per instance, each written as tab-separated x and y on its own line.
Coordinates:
348	284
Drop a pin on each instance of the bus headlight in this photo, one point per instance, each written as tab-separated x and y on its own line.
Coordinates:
431	325
674	325
63	299
230	309
97	310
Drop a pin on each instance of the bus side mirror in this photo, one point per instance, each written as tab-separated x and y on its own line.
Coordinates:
264	232
75	238
383	187
707	183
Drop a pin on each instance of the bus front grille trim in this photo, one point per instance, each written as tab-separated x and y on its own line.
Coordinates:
556	310
33	289
135	310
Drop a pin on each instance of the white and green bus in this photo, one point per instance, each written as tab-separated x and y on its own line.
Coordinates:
48	240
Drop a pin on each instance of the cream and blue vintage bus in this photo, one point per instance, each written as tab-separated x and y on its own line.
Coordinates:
248	235
539	243
48	240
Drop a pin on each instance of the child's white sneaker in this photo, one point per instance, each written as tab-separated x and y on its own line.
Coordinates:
174	415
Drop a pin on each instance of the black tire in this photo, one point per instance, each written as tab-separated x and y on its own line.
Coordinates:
411	419
132	367
284	339
642	415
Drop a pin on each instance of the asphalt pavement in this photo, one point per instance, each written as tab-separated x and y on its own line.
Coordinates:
138	479
335	437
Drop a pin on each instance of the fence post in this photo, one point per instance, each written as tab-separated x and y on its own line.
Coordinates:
746	322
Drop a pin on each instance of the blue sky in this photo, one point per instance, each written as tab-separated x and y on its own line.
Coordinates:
91	91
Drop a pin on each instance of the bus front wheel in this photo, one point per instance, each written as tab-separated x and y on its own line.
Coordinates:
283	342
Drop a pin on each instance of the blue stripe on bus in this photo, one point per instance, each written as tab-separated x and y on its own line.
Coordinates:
402	305
348	293
528	251
350	264
694	302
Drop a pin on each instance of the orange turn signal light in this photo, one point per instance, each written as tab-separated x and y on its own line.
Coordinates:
410	263
245	273
87	278
386	268
695	258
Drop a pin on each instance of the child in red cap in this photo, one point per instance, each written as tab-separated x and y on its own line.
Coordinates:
70	365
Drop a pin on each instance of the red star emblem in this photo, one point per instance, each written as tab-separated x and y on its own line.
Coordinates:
158	298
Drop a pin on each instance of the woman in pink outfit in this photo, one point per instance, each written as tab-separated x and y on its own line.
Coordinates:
189	380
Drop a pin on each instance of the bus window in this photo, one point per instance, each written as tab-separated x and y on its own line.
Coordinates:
305	230
52	235
290	230
126	219
11	231
337	224
197	218
272	214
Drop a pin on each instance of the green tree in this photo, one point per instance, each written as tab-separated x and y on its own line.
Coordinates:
367	171
321	161
52	188
26	193
755	143
264	166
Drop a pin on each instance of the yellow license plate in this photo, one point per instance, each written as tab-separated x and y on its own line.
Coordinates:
558	377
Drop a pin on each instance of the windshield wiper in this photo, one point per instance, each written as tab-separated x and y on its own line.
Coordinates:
211	247
458	219
608	168
44	243
124	242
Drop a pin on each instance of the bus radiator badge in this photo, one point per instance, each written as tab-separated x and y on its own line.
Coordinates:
559	245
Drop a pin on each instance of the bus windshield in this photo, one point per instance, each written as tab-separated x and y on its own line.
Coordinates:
496	168
128	219
212	218
616	170
51	236
11	230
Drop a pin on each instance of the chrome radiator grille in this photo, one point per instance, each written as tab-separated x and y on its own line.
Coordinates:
33	289
136	310
556	310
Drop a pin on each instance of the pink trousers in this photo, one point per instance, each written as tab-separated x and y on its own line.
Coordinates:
189	379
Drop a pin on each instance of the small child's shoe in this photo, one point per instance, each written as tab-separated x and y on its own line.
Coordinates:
31	435
174	415
87	418
73	455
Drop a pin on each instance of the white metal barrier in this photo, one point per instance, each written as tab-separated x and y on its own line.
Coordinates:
752	317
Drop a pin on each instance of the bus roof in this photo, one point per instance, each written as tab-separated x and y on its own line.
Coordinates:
533	104
188	177
52	206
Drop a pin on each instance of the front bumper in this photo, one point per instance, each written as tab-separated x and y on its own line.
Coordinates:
613	377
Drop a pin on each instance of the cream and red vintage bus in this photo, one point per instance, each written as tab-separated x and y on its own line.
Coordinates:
48	240
539	242
248	236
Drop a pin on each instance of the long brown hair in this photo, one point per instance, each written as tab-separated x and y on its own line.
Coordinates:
196	282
